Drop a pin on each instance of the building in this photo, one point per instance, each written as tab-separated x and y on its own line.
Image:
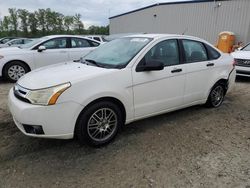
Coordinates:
204	19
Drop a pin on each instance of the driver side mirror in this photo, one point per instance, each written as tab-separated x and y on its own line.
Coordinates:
41	48
150	66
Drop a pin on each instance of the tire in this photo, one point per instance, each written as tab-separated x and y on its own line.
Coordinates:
15	70
99	124
216	96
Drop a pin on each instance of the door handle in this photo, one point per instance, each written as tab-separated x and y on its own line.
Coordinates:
62	51
176	70
210	64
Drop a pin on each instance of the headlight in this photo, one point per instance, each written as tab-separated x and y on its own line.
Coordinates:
47	96
1	56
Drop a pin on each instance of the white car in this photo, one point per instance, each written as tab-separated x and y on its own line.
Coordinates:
16	42
242	59
122	81
15	62
99	38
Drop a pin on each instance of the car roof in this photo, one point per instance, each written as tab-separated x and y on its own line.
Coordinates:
56	36
158	36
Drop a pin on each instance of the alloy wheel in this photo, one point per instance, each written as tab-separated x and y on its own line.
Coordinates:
102	124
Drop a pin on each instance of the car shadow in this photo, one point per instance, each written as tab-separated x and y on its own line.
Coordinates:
21	145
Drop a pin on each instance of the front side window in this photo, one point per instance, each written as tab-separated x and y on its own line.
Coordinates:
55	43
194	51
166	52
119	52
19	41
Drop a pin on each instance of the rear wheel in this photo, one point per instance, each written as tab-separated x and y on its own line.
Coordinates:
99	123
15	70
216	96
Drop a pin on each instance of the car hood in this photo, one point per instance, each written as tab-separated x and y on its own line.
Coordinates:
61	73
241	55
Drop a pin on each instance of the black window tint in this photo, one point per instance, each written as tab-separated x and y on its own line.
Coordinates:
194	51
212	53
55	43
79	43
97	38
166	51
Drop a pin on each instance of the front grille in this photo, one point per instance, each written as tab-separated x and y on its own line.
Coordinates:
21	93
243	62
243	72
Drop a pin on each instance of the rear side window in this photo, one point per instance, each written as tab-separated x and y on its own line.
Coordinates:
79	43
194	51
97	38
93	44
82	43
212	53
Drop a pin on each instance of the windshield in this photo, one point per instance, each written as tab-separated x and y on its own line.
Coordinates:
117	53
34	42
246	48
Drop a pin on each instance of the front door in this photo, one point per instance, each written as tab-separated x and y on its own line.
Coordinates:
159	91
56	52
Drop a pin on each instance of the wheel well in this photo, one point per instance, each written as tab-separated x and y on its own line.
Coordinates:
224	82
110	99
14	61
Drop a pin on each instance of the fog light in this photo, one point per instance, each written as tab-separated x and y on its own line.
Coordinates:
33	129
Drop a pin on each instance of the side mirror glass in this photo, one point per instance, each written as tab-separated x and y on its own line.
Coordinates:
41	48
150	66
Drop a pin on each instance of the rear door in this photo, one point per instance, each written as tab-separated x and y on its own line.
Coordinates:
200	69
158	91
80	47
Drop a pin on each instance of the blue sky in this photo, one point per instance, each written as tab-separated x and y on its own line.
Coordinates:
94	12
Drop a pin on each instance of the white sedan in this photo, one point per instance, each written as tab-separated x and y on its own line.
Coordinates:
122	81
16	42
242	59
15	62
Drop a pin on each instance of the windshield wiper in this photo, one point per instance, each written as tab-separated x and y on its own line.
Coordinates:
93	62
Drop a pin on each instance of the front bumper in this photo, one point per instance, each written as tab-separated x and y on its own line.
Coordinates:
242	71
57	121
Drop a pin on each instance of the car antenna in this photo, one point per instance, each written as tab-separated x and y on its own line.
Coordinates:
185	31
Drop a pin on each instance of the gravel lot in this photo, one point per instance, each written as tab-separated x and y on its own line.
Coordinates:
194	147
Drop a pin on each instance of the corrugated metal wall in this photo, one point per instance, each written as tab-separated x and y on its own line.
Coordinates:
203	20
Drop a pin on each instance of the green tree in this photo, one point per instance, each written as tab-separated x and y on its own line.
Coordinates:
41	18
68	23
32	21
23	14
6	23
13	20
78	25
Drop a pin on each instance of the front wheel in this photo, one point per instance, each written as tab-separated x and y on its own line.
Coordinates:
216	96
99	123
15	70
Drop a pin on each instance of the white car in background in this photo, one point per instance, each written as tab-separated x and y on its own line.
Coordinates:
16	42
242	60
15	62
99	38
122	81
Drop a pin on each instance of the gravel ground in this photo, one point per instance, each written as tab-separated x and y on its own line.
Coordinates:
194	147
